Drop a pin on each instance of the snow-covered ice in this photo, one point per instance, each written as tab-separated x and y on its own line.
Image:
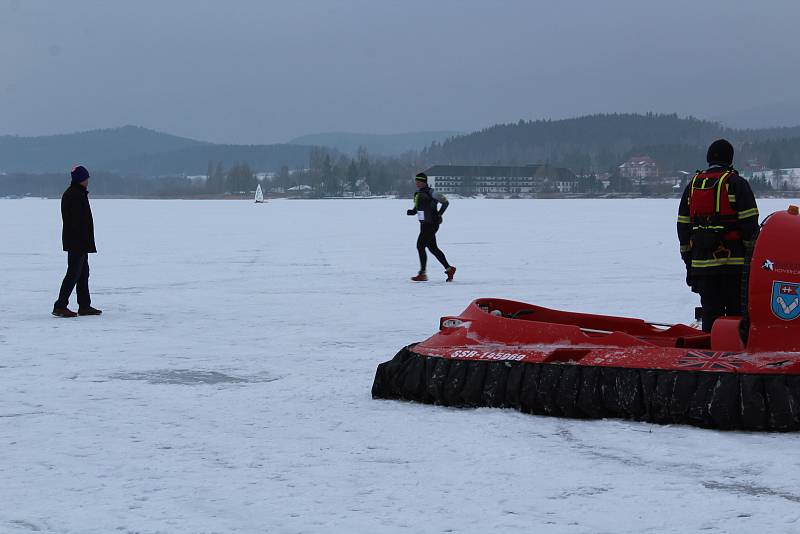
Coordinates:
226	388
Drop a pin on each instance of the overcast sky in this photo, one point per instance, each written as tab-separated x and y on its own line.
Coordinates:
257	71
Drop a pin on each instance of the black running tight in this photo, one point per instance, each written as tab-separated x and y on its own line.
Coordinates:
427	239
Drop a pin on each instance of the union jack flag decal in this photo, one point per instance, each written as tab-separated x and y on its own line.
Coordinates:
701	360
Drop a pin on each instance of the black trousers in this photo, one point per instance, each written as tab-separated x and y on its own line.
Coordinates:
427	239
719	295
77	275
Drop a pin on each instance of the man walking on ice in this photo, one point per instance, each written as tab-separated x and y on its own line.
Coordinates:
425	208
77	237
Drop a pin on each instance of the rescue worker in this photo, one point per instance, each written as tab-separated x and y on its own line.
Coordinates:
717	230
425	208
77	238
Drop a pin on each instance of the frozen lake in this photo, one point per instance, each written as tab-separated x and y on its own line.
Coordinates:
226	388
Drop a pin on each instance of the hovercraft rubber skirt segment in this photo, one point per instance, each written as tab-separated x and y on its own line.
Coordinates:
726	401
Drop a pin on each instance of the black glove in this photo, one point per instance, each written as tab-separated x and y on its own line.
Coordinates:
691	281
439	219
687	261
411	212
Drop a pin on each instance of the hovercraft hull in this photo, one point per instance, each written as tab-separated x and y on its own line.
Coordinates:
745	374
508	354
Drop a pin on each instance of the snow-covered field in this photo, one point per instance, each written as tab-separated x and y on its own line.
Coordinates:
226	388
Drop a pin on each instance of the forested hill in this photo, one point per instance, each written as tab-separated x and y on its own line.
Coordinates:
138	151
54	153
602	142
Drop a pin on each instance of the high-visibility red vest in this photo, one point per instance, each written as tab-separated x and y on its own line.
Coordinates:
709	205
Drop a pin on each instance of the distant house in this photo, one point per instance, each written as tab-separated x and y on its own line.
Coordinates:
362	188
358	189
639	167
501	180
751	167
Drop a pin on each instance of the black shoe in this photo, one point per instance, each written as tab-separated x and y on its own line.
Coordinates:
88	310
64	312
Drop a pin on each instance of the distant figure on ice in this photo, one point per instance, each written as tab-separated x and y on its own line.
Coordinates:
425	208
77	237
717	230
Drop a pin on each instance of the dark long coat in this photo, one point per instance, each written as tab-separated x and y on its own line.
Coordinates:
77	234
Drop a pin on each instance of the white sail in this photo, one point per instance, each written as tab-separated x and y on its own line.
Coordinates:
259	194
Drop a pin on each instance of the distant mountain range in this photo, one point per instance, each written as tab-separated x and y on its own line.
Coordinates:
136	150
376	144
597	142
140	151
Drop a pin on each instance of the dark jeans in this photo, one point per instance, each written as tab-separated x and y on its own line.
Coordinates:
77	274
720	295
427	239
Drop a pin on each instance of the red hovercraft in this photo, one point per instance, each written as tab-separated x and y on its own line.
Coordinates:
501	353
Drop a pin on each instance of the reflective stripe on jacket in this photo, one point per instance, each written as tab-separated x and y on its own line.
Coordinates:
717	220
